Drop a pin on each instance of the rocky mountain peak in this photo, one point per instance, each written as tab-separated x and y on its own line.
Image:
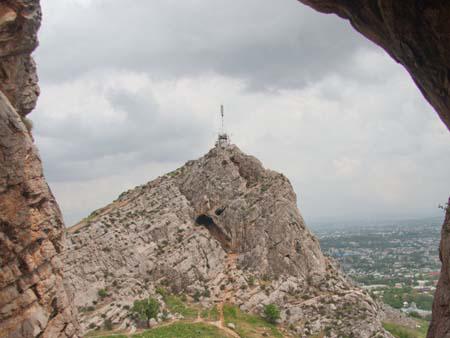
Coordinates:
251	211
221	226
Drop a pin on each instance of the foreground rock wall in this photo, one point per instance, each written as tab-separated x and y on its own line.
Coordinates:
33	301
440	324
417	35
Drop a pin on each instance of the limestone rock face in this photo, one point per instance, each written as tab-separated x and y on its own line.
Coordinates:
33	300
19	23
440	323
221	223
253	211
415	33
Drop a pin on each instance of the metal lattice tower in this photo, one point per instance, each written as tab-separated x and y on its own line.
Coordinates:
223	140
222	117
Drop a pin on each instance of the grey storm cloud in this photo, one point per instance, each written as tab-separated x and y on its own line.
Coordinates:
95	148
130	90
269	44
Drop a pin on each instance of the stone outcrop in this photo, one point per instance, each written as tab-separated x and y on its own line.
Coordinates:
415	33
33	300
440	323
221	223
19	24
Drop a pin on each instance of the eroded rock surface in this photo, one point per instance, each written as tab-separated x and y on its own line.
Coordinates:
19	24
440	327
224	224
33	300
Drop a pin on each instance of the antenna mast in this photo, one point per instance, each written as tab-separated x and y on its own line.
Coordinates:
222	115
223	140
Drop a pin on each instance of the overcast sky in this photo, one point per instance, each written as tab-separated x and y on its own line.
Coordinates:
132	90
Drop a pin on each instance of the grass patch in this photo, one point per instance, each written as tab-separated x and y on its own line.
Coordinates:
400	331
176	305
211	314
214	314
204	314
104	334
247	325
184	330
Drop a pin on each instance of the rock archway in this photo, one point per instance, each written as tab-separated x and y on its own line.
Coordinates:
416	33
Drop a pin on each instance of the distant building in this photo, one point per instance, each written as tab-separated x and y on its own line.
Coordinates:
223	141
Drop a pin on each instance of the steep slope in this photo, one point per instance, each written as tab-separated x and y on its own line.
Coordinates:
224	224
33	301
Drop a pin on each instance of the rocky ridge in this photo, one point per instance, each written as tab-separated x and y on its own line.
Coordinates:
221	226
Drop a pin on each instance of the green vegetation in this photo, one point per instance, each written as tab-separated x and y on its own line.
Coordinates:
271	313
204	314
214	314
160	290
197	296
174	173
86	309
211	314
176	305
146	308
102	293
104	334
399	331
184	330
249	326
107	325
395	298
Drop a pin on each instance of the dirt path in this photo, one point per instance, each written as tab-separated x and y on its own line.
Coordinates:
228	295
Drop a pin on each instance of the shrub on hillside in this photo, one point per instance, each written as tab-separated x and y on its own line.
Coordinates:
146	308
107	325
102	293
197	296
271	313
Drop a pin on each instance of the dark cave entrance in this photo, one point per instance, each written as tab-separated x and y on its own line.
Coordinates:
215	231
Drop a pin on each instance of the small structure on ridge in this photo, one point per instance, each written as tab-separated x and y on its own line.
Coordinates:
223	139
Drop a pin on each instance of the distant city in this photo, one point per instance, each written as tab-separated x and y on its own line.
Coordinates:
396	261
